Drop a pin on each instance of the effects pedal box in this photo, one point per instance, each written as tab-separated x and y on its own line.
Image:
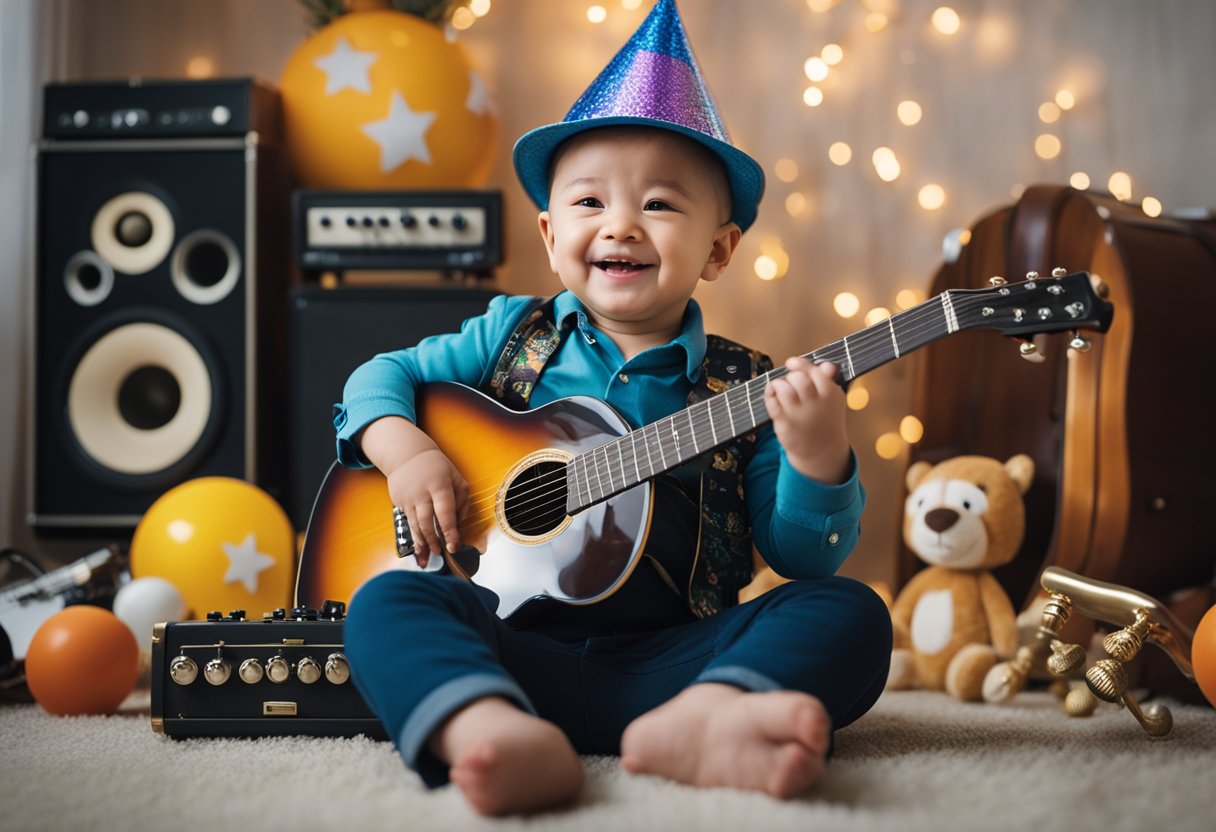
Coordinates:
451	231
230	676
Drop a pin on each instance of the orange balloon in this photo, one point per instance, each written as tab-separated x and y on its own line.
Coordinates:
1203	655
82	660
381	99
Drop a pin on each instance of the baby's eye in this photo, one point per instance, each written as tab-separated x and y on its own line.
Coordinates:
657	205
589	202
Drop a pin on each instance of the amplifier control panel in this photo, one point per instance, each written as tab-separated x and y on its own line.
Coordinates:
233	677
408	230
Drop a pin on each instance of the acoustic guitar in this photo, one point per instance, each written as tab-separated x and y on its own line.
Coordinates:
560	496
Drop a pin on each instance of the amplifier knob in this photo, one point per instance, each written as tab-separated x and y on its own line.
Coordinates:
217	671
251	672
350	221
433	221
409	220
183	670
459	222
337	670
278	670
308	670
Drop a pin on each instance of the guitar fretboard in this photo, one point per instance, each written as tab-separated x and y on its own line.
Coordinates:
673	440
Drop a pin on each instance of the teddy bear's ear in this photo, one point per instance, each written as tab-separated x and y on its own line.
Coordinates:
1020	468
916	473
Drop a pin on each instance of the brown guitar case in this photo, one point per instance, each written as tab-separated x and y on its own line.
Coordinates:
1121	435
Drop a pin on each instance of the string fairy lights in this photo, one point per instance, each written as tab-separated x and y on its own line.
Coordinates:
823	72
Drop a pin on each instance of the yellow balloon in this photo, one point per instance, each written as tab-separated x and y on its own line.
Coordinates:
381	99
224	543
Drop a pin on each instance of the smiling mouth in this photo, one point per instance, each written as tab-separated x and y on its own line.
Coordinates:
620	268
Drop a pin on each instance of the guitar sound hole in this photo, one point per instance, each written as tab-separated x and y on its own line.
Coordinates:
535	503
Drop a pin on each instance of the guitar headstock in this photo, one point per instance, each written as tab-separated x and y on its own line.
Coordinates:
1035	305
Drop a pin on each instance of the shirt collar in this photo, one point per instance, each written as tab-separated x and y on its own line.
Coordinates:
691	338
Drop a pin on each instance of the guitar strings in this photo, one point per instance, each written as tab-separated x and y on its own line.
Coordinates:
875	341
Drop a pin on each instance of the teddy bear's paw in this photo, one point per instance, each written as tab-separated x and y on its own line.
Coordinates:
966	672
901	675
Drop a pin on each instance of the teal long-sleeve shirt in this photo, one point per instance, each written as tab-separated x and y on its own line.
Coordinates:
801	527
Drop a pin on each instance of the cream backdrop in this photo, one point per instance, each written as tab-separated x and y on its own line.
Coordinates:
1142	74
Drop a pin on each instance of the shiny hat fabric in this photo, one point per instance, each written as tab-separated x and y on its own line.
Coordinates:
653	81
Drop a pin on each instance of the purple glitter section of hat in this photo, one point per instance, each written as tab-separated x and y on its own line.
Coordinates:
656	86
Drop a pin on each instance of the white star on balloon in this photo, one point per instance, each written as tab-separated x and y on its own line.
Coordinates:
245	562
401	135
478	100
346	67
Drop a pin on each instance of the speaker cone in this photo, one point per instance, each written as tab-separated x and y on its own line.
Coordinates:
88	278
140	399
133	232
206	266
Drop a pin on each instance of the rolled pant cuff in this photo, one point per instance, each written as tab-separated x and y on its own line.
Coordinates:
438	705
740	677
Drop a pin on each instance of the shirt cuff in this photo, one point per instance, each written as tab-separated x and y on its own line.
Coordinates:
353	417
829	509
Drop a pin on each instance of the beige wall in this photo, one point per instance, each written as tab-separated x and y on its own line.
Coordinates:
1143	74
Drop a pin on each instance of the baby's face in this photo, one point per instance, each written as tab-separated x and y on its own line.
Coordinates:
637	217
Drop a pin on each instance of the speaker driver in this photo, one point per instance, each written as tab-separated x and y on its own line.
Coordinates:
206	266
133	232
140	399
87	278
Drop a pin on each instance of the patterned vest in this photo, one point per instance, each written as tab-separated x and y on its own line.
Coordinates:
722	564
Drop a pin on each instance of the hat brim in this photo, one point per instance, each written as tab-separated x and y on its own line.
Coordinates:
534	152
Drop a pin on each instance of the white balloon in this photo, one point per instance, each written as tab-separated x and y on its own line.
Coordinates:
144	602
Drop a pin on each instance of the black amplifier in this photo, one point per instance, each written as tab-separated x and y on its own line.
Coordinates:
233	677
451	231
161	109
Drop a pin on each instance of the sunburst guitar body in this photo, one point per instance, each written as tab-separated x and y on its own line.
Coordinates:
517	518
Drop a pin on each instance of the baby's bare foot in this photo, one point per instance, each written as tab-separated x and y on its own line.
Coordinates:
718	735
505	760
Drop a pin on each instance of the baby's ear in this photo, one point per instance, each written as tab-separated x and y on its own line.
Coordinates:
545	223
726	240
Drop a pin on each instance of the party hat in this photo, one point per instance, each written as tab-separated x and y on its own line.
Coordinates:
653	81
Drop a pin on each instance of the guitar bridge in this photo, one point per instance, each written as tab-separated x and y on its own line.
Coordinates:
401	533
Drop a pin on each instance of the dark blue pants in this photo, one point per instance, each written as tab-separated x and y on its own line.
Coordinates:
423	645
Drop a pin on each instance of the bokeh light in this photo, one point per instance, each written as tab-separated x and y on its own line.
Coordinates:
846	304
1120	184
909	112
840	153
946	20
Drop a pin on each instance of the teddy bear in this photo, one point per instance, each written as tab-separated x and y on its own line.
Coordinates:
953	621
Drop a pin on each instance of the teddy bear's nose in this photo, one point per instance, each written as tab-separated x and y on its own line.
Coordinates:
940	519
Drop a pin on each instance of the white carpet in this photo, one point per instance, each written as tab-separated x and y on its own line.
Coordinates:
918	761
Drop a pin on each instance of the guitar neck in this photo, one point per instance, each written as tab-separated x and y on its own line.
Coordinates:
673	440
1029	307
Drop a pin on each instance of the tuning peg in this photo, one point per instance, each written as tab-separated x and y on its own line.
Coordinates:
1032	275
1079	343
1059	271
1032	351
997	280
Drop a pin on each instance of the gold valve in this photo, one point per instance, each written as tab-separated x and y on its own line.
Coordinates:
183	670
337	671
1141	618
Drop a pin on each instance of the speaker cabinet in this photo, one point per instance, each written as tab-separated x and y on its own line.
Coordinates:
159	322
333	331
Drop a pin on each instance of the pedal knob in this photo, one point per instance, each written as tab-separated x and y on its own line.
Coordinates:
278	670
183	670
251	672
308	670
337	670
217	671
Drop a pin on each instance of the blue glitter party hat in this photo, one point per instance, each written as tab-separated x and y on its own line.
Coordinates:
654	81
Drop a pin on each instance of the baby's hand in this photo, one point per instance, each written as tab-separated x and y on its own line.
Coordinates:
429	489
808	413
